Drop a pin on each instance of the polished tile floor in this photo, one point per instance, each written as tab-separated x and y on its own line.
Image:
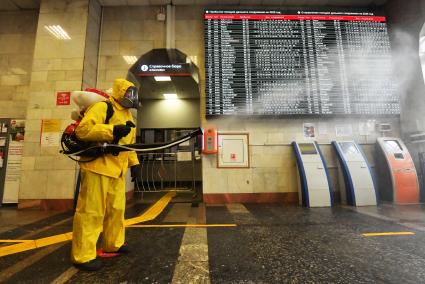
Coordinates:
270	244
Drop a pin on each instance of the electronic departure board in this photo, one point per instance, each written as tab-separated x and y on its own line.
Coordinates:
298	63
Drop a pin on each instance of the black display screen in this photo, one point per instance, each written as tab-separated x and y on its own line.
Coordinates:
298	63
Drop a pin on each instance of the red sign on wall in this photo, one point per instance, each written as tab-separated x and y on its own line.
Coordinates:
63	98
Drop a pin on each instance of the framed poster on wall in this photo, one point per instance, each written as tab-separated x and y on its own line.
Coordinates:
233	150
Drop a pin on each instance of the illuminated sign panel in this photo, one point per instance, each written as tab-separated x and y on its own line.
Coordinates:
298	63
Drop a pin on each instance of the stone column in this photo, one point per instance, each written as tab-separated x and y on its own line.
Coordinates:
48	178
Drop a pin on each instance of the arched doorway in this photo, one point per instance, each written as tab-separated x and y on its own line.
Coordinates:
168	83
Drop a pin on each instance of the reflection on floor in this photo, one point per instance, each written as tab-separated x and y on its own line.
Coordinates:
271	244
411	216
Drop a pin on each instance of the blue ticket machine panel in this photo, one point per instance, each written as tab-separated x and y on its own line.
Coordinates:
358	182
314	189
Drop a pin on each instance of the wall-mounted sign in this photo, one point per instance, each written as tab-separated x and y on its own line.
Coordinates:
294	62
182	69
63	98
309	130
343	130
14	161
50	132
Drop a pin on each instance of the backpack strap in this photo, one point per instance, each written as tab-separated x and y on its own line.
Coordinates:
109	112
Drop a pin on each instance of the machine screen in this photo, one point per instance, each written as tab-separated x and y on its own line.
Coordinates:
307	149
282	62
399	156
393	146
349	148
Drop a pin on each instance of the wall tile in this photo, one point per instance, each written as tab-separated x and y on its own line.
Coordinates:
125	13
67	85
13	45
132	30
110	47
28	163
38	113
152	30
60	184
71	64
54	6
111	30
187	29
113	74
46	64
218	181
50	151
39	76
33	184
32	124
13	80
56	75
64	163
135	47
241	181
44	163
48	47
31	149
6	92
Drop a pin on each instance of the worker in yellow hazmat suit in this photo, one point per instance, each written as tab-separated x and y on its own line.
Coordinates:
101	202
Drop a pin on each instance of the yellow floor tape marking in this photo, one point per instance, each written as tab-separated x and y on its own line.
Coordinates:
149	214
183	226
153	211
15	241
387	234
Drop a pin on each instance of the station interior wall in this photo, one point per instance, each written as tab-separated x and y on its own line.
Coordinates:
17	34
48	177
135	31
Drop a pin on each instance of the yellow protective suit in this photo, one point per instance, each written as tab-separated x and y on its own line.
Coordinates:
101	202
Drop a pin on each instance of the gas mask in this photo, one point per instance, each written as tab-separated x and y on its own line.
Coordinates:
130	98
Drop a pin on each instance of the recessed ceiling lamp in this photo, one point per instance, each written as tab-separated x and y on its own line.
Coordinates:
170	96
58	32
130	59
162	78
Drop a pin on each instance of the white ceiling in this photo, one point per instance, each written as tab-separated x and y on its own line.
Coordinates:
13	5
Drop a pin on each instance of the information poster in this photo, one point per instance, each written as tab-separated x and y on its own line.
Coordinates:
343	130
309	130
50	132
14	161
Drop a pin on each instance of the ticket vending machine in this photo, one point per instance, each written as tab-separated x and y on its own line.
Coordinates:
398	180
359	186
315	188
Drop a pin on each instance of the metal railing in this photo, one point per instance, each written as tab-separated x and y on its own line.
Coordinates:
164	172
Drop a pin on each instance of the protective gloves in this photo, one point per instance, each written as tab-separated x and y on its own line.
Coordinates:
121	131
136	171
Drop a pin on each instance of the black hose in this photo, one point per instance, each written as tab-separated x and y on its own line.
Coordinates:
114	148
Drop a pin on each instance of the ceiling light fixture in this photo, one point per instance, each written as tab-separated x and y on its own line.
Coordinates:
162	78
130	59
170	96
58	32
